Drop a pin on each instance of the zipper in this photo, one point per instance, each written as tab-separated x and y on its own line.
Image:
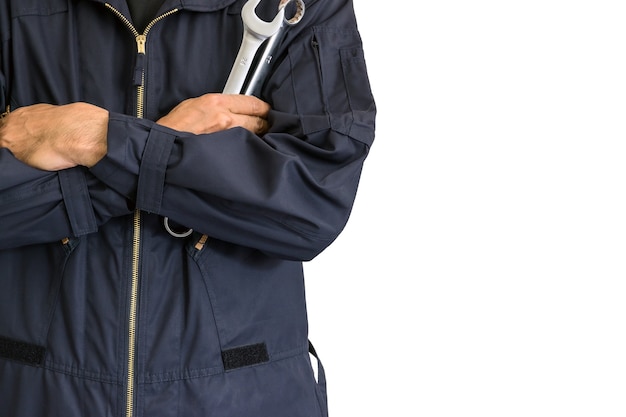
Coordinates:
315	45
200	244
141	39
316	51
6	112
139	82
132	317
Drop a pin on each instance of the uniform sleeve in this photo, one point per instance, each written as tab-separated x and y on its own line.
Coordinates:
288	193
40	207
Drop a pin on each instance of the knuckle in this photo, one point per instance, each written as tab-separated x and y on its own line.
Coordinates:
225	121
214	99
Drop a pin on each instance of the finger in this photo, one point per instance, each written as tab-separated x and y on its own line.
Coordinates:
255	124
249	105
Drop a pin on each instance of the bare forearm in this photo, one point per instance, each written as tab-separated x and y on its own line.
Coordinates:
53	138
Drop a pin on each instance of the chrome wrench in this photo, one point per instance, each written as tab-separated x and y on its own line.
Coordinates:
257	75
256	31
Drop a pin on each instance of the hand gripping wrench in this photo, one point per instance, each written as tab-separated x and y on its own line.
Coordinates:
256	32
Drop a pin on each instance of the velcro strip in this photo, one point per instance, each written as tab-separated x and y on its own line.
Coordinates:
245	356
21	351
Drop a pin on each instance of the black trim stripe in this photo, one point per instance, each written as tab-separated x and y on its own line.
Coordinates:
21	351
245	356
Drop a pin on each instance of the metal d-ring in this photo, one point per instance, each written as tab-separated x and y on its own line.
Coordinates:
166	223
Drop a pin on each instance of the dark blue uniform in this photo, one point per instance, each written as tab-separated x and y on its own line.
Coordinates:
102	312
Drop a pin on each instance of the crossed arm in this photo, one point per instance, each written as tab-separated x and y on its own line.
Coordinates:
53	138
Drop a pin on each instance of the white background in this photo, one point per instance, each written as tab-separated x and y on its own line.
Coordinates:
483	271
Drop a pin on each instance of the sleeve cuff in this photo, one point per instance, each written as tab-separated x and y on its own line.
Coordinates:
119	168
152	170
77	201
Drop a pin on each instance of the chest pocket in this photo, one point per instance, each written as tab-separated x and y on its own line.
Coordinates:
37	8
43	43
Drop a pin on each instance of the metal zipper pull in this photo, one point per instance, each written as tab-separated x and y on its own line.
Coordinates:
138	71
141	44
200	244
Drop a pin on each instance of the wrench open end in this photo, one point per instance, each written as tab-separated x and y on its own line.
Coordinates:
257	31
257	26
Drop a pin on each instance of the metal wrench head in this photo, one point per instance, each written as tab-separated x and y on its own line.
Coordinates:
257	26
299	12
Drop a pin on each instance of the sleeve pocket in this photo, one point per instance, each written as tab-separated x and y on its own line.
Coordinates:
332	88
359	94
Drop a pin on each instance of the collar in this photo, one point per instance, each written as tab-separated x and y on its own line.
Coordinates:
193	5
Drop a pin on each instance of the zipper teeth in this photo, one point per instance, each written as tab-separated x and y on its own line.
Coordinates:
129	24
140	94
132	315
157	19
134	295
137	35
132	328
122	18
141	89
